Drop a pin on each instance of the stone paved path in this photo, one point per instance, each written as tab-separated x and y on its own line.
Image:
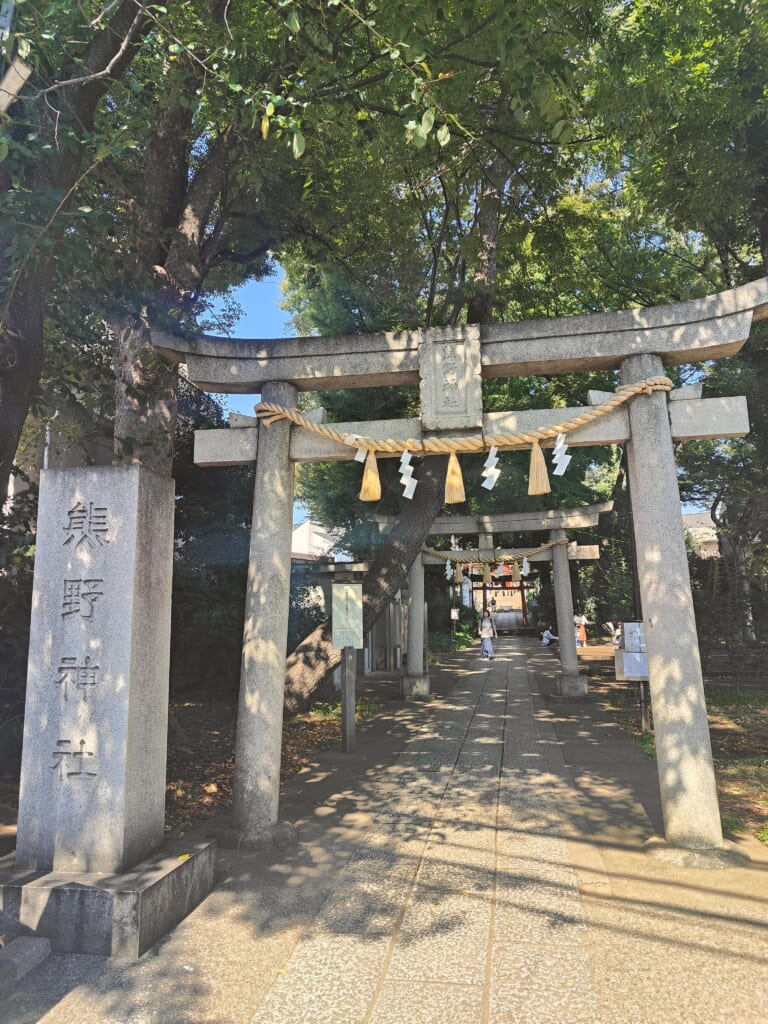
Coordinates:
462	903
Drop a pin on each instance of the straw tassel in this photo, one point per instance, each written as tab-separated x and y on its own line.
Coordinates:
515	572
486	572
454	482
538	479
371	487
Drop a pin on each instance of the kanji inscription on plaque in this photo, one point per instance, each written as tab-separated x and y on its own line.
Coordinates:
70	762
78	677
87	524
451	392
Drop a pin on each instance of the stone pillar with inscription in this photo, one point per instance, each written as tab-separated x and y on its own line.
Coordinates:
92	871
95	728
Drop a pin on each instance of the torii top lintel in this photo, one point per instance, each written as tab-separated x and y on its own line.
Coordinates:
684	332
577	517
523	522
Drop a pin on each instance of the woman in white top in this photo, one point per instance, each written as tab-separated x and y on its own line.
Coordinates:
487	632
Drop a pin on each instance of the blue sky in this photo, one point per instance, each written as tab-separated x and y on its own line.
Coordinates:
262	318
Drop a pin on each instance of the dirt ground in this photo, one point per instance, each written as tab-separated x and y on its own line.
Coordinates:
738	729
201	755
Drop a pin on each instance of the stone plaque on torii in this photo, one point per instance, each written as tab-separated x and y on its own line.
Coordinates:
638	343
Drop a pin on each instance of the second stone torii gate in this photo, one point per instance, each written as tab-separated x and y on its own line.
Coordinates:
450	363
552	521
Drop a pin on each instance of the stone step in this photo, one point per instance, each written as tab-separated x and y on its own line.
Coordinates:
19	957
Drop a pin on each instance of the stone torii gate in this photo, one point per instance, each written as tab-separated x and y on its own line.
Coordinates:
555	522
563	599
449	364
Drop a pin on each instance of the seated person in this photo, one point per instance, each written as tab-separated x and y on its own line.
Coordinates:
548	637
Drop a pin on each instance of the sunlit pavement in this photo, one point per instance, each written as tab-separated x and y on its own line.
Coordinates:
479	859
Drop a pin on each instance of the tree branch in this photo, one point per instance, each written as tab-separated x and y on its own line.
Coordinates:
113	62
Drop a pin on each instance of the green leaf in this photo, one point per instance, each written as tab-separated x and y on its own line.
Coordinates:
293	23
299	144
427	120
443	135
3	149
557	130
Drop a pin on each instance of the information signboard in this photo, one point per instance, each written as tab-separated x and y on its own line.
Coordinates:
347	615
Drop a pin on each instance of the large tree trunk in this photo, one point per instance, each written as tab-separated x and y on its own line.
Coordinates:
21	362
744	584
172	219
314	658
145	409
490	202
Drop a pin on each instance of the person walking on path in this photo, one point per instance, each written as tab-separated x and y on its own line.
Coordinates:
487	631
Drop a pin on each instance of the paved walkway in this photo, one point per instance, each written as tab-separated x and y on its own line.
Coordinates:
479	861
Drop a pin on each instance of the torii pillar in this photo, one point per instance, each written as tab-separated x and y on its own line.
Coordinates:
256	785
416	678
683	750
571	682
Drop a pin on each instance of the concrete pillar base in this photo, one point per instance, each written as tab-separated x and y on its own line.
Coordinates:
416	687
726	856
116	915
572	684
282	835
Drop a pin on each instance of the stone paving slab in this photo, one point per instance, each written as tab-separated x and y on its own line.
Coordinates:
329	979
398	1003
538	983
